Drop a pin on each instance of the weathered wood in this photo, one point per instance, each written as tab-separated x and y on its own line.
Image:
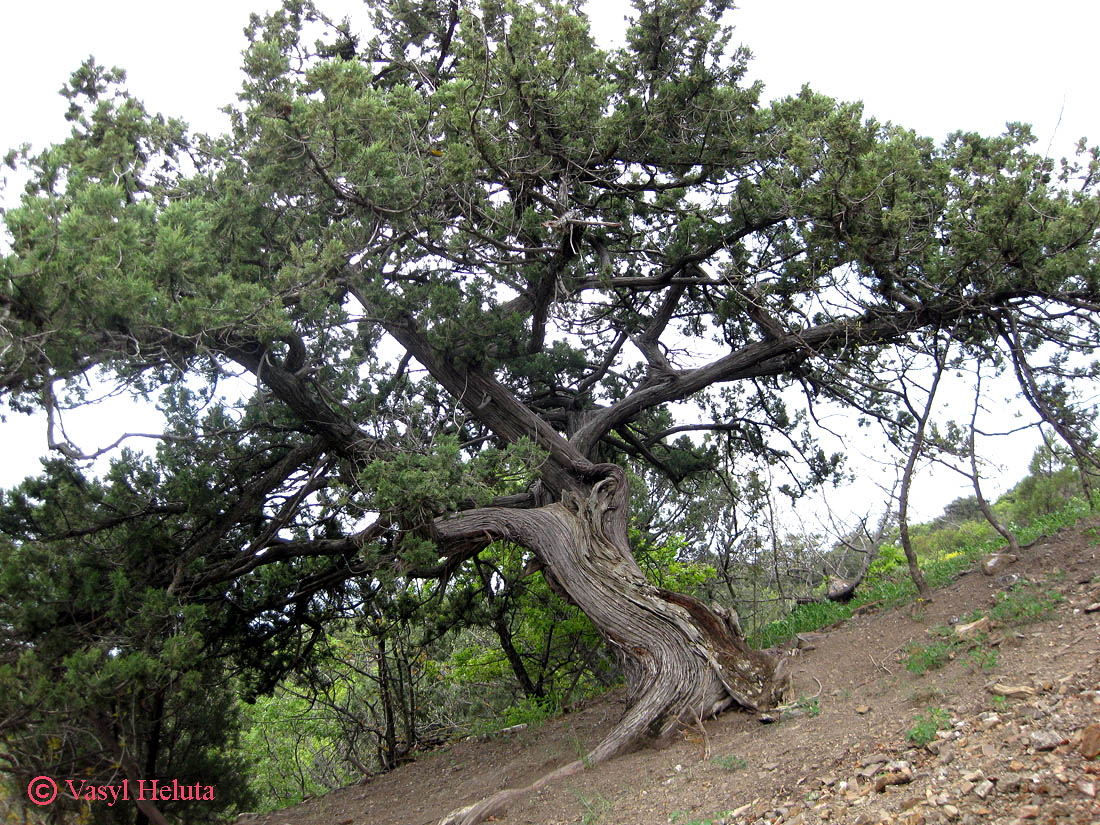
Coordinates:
680	659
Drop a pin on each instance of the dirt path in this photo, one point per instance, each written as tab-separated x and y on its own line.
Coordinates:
1013	759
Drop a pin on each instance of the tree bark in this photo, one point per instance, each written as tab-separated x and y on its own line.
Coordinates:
682	662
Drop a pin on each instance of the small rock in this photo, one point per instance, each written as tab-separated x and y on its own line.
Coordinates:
893	778
972	629
989	719
1087	787
1028	811
946	754
1046	740
997	563
1013	691
1090	741
862	709
951	811
1093	608
983	788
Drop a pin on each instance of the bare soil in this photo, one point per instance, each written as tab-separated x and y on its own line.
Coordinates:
842	756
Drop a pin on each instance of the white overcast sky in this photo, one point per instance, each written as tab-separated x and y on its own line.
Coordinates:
934	66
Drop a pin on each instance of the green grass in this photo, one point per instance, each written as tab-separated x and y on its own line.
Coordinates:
1025	603
921	658
925	726
891	587
808	705
731	762
984	658
677	818
594	808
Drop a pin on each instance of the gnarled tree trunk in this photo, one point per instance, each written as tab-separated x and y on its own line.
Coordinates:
682	661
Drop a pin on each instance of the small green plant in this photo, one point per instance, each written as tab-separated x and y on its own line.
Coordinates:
984	658
926	724
1000	702
810	706
582	753
594	809
920	658
731	763
1024	603
676	818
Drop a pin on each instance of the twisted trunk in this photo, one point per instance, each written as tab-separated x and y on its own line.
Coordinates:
681	660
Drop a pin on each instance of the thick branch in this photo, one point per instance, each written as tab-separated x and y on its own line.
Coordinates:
760	359
491	403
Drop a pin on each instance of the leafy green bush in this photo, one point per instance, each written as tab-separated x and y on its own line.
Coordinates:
925	726
920	658
1024	603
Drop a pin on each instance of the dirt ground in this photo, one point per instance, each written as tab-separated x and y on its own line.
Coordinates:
843	755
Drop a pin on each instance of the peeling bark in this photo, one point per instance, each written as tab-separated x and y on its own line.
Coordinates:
681	660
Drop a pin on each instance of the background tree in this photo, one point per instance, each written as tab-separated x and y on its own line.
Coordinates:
470	267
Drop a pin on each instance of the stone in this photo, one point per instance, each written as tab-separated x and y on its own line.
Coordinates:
1013	691
983	789
996	563
946	754
863	709
1028	811
1046	740
972	629
1093	608
1087	787
1090	741
989	719
808	641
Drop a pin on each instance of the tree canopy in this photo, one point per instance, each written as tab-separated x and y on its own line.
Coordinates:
462	277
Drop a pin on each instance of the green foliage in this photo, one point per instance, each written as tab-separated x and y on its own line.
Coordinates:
391	307
802	619
289	744
731	762
102	669
679	818
920	658
806	705
595	808
926	724
1024	603
890	585
984	658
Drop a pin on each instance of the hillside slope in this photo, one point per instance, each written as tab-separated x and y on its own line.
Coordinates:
841	754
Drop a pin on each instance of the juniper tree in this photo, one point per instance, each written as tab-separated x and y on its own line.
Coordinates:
474	266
